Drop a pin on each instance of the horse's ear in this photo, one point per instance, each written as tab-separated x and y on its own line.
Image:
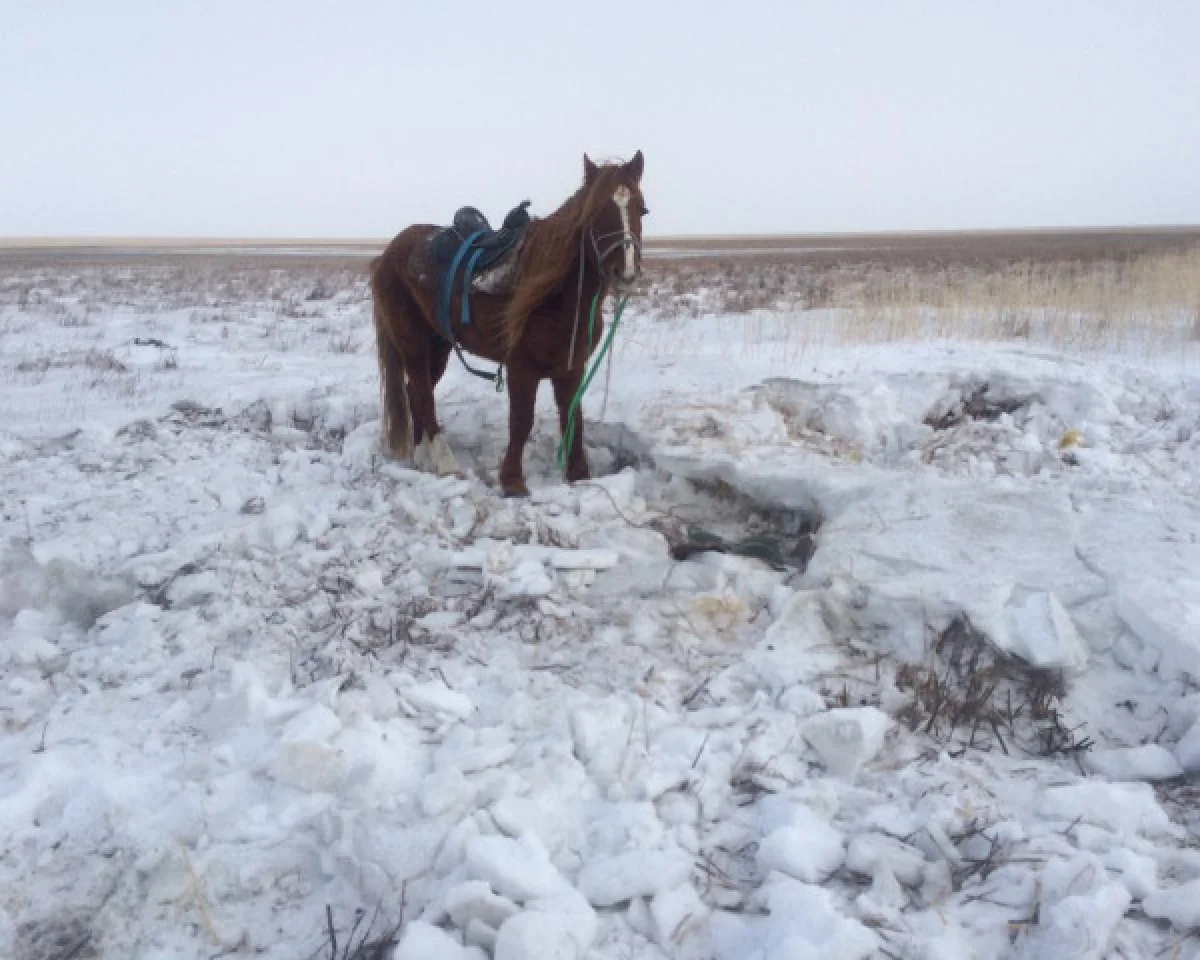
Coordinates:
590	170
635	166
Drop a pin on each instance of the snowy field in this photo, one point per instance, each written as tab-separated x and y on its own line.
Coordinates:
262	690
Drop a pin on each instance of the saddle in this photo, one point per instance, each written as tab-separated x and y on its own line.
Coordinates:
488	254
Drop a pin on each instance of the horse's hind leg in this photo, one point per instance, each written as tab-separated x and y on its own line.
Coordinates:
441	458
438	360
425	368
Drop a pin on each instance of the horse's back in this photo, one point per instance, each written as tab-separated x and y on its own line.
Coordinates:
396	255
403	243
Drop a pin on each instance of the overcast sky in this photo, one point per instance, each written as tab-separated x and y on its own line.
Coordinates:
354	119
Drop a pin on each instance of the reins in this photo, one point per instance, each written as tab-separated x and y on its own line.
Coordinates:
568	437
625	240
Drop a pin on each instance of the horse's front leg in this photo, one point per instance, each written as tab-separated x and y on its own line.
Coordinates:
522	397
565	387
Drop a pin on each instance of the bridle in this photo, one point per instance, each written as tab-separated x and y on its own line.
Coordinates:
624	240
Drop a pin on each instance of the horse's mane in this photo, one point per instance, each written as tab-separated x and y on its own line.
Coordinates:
550	250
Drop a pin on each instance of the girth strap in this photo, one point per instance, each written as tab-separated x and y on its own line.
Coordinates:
447	292
446	299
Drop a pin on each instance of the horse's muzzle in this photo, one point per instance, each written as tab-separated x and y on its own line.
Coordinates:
623	282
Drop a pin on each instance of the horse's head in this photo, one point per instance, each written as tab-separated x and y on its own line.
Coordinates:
617	207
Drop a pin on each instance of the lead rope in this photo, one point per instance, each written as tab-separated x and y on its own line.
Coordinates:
568	437
578	304
607	381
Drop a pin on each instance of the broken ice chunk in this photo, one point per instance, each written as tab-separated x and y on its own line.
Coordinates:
847	737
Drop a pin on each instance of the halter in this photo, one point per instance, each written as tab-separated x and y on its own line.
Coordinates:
625	240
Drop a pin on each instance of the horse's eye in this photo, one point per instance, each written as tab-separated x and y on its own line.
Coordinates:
645	210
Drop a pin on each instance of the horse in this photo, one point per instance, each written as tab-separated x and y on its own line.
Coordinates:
590	247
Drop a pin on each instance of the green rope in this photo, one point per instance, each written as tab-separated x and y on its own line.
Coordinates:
763	547
568	437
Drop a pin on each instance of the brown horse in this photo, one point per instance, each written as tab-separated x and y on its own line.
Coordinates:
538	330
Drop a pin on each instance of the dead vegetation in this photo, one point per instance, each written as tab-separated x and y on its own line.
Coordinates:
1102	296
971	695
977	405
100	361
66	937
346	343
71	287
367	939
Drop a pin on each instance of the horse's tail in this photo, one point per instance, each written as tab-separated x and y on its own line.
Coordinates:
397	424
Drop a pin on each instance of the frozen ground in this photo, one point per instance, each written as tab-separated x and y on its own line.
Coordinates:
250	670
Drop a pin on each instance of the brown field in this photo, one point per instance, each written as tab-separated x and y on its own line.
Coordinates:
944	248
1093	287
957	247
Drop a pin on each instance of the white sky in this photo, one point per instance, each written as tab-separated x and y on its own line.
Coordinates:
327	119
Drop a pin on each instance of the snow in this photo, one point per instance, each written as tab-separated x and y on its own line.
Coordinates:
807	849
1080	926
250	667
474	900
424	942
519	869
1138	874
318	722
1042	633
869	853
1148	762
436	696
1179	905
1188	749
541	933
676	914
612	880
802	921
846	738
1125	808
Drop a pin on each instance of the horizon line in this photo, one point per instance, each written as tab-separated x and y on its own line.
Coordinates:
84	240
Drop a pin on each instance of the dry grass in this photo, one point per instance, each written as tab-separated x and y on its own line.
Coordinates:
1091	289
68	286
346	343
1149	300
99	361
969	694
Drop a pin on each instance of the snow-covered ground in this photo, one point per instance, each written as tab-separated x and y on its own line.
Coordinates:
254	678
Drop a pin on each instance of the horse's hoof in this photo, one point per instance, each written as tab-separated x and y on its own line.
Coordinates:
515	489
444	461
434	456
